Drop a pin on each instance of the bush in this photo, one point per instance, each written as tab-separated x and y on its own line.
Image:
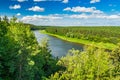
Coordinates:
91	64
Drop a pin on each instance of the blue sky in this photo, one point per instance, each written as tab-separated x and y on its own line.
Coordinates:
64	12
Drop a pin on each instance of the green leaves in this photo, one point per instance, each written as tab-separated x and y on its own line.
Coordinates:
95	34
90	64
21	57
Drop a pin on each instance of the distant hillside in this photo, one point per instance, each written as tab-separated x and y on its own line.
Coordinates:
34	27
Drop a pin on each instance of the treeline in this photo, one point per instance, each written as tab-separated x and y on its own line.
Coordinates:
21	58
35	27
96	34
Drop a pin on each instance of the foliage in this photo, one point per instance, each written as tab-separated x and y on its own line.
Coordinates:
90	64
21	58
35	27
96	34
115	57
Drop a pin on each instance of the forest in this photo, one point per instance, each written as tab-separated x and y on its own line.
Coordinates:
23	58
107	36
97	34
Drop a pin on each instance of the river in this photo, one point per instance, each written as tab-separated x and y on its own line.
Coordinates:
57	46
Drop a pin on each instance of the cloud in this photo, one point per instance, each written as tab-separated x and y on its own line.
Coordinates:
65	1
18	14
67	9
40	17
73	20
36	8
52	19
94	16
114	17
44	0
38	0
83	9
15	7
79	16
94	1
21	0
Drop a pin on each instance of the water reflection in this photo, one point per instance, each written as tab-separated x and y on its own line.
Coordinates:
59	47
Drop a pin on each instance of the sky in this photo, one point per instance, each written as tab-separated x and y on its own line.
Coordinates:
63	12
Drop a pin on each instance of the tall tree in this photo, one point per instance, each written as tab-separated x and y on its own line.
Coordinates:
0	19
13	20
5	19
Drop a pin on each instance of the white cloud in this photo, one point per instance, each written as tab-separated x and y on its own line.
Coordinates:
79	16
65	1
44	0
83	9
37	0
40	17
36	8
95	16
67	9
15	7
114	17
43	20
21	0
94	1
18	14
73	20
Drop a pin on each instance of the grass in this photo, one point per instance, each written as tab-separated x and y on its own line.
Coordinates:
108	46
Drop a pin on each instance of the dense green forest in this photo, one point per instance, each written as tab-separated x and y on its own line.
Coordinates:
96	34
22	58
93	63
35	27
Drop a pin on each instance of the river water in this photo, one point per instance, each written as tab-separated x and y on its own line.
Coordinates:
57	46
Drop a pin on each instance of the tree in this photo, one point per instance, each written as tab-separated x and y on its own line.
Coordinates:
92	64
5	19
0	19
21	57
115	57
13	20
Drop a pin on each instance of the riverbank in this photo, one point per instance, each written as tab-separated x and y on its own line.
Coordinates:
108	46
